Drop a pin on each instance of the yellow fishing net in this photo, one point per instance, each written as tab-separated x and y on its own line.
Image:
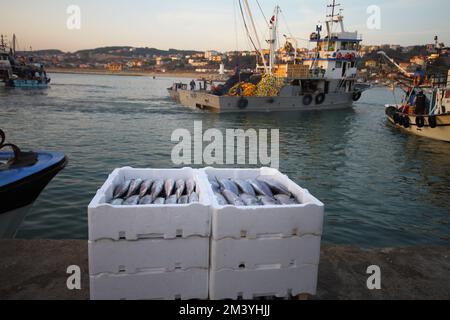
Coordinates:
247	89
270	86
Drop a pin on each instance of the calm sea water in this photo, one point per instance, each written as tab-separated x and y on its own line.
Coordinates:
381	187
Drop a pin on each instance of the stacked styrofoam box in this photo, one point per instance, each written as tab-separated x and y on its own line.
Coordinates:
265	250
149	252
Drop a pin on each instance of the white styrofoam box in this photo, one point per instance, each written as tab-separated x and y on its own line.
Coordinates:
278	221
253	254
185	285
149	221
251	284
107	256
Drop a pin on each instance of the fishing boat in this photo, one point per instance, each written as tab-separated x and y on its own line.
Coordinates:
425	109
325	79
20	73
23	176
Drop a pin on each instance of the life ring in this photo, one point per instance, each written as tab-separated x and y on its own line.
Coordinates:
339	56
420	122
357	96
406	122
242	103
307	99
432	121
353	56
320	98
348	56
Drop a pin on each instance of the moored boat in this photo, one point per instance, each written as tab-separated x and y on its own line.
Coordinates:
23	176
323	80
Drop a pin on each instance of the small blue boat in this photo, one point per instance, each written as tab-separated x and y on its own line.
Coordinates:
30	84
23	176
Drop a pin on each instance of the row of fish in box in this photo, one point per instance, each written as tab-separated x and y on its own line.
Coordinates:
262	191
157	192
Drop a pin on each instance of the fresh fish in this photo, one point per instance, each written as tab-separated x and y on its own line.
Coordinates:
214	184
134	187
180	186
159	201
193	197
275	186
245	187
190	187
169	185
131	201
285	200
171	200
221	200
232	198
267	201
117	202
227	184
146	200
122	189
183	200
145	187
157	188
249	200
261	188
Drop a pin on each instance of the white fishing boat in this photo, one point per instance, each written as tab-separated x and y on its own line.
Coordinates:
425	109
323	80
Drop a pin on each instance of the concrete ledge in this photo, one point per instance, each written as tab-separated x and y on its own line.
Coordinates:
36	269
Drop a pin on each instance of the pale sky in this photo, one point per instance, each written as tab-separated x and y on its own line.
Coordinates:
208	24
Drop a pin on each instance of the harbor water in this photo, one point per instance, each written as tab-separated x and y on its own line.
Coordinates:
382	188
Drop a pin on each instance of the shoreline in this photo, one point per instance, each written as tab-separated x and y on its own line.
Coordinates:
190	75
36	269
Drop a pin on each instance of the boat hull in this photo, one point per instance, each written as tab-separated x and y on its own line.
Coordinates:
19	193
441	132
27	84
229	104
10	222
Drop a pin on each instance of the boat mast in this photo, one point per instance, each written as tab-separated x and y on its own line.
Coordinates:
14	44
273	38
332	19
261	52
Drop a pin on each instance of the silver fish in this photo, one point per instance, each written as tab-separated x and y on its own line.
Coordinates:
171	200
157	188
275	186
169	185
180	186
159	201
232	198
249	200
145	187
285	200
146	200
190	186
117	202
261	188
227	184
245	187
183	200
214	184
132	201
122	189
134	187
221	200
193	197
267	201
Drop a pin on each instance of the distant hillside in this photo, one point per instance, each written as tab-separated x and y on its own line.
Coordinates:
130	51
41	52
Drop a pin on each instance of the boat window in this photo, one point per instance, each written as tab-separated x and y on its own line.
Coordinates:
338	64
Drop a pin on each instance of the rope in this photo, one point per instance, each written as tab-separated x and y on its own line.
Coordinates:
262	12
